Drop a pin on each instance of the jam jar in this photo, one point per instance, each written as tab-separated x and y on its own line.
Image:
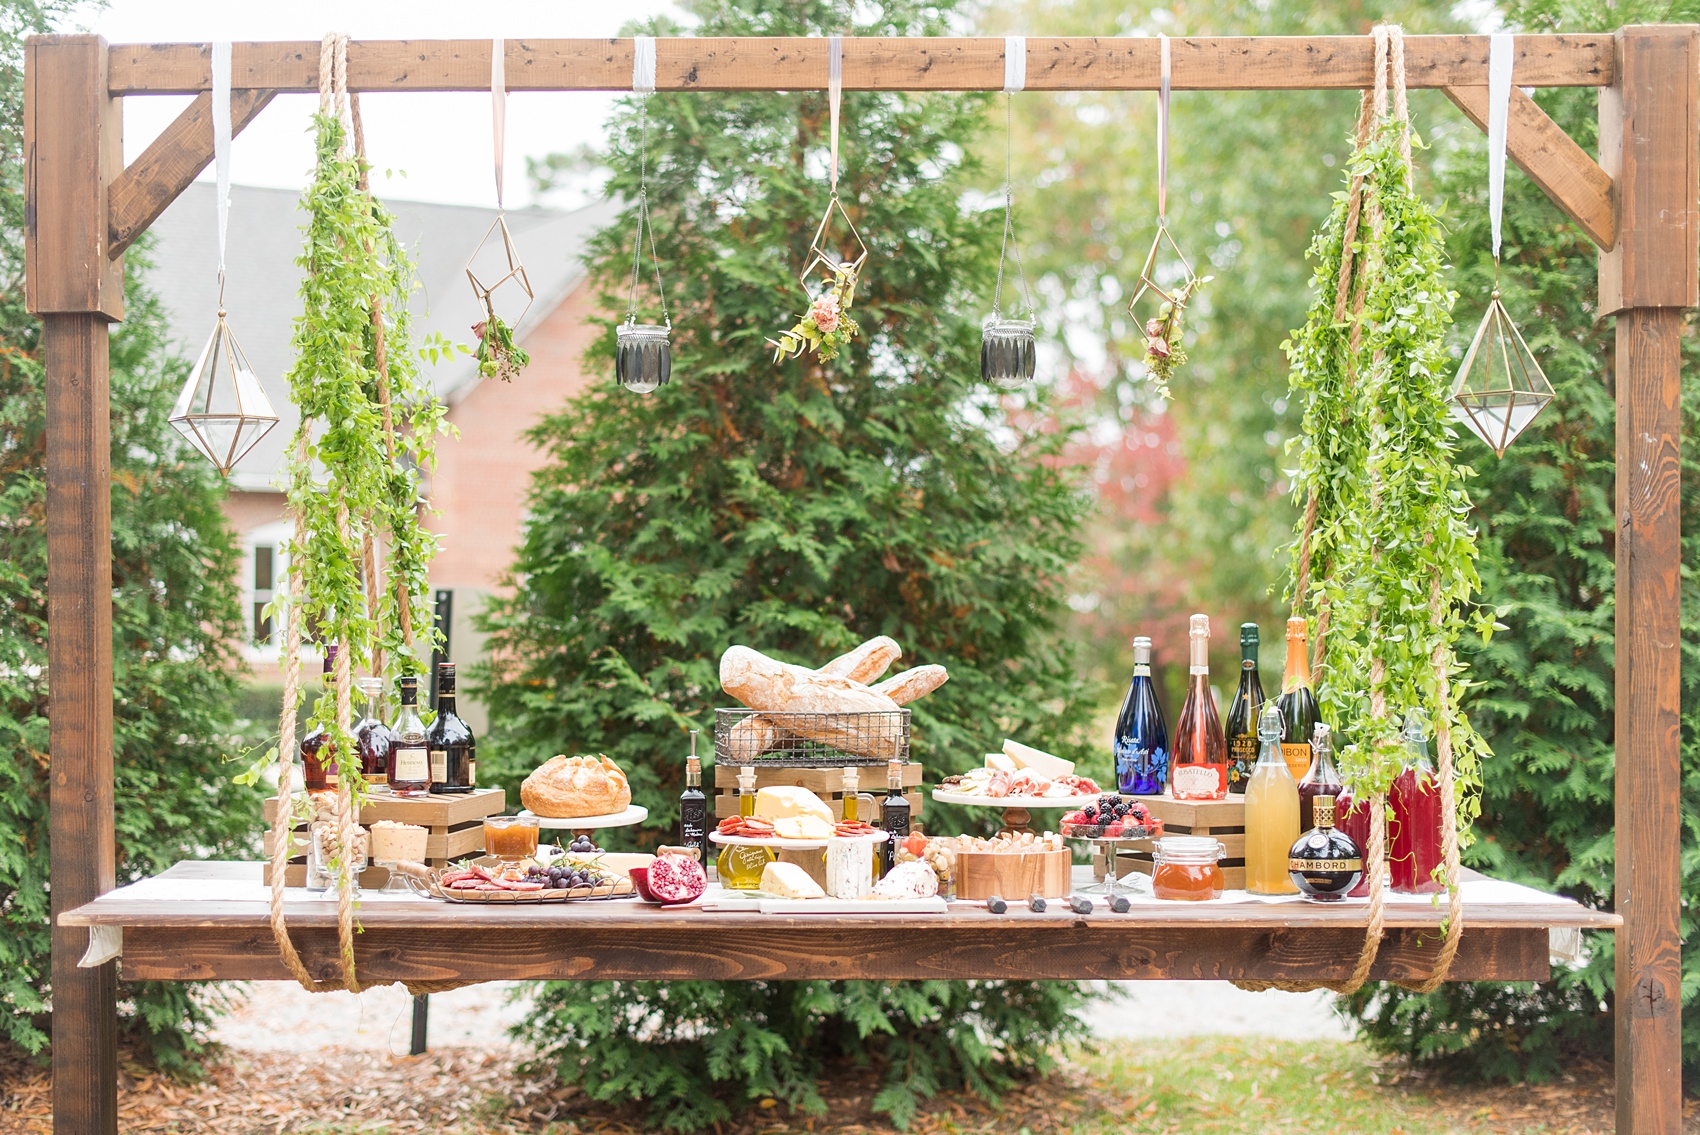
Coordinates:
1187	868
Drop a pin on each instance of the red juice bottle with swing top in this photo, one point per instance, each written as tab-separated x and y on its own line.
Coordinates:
1200	753
1351	816
1415	853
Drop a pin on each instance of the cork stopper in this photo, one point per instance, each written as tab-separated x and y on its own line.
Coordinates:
851	779
746	780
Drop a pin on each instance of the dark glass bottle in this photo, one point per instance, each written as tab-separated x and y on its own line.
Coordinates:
894	815
1326	863
693	807
410	759
318	751
372	738
454	751
1142	738
1322	779
1201	751
1298	703
1241	728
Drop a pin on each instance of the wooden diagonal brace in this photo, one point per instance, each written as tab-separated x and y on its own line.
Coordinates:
141	193
1562	169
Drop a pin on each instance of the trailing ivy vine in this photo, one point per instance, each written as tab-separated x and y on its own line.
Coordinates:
1391	572
367	433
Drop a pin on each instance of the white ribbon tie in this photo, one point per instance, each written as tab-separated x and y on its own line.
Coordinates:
1501	53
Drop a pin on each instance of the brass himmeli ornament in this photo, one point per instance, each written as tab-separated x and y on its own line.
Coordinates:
514	274
222	409
1500	387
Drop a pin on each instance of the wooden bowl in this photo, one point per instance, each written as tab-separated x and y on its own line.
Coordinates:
1014	875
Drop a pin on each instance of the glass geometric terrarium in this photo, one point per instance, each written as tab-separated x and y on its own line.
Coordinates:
222	409
1500	387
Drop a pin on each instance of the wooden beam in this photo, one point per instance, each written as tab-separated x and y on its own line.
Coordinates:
1649	124
889	950
1649	147
79	620
1542	149
73	142
870	63
174	159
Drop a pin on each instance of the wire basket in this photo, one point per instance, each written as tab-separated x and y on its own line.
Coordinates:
810	740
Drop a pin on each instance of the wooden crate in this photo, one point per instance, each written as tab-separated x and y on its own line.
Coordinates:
1223	819
454	823
827	783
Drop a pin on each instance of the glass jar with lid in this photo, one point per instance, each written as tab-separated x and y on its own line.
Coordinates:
1187	868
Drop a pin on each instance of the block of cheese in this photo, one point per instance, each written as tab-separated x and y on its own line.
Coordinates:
781	801
1042	763
789	881
804	826
997	762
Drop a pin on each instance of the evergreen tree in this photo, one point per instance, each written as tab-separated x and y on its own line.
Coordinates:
175	620
799	508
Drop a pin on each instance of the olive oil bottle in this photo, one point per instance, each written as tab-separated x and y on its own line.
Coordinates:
740	865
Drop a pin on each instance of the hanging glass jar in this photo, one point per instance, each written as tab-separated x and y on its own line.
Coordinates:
1008	352
643	352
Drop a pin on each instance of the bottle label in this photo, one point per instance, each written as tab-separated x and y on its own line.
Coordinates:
1141	770
1297	754
472	774
410	765
1242	753
439	766
1205	669
1198	780
416	737
1307	866
1142	670
330	776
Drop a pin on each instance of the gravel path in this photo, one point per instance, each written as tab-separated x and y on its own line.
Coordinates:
282	1017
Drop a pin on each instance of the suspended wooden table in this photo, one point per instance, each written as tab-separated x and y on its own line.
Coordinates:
206	921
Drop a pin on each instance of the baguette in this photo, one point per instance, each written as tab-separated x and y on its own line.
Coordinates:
911	684
866	662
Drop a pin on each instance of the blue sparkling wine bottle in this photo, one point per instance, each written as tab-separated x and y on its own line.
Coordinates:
1142	739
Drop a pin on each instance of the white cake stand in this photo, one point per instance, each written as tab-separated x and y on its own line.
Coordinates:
584	825
1015	808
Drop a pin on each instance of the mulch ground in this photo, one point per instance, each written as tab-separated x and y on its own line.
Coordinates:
477	1092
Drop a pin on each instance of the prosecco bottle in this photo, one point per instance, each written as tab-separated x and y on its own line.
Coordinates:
454	751
1298	703
1243	743
1142	738
1201	750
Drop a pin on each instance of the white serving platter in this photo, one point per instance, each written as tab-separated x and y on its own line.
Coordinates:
1029	802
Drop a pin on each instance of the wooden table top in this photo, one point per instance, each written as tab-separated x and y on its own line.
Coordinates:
211	921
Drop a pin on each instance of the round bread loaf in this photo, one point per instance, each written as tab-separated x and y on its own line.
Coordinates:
566	788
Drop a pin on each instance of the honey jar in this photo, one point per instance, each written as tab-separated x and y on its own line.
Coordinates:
1186	868
510	837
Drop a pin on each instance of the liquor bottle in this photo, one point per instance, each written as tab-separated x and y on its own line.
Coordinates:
454	751
1415	852
410	760
1271	813
693	806
318	751
1298	703
1142	738
1321	779
1326	862
372	738
1244	713
740	865
894	815
1201	751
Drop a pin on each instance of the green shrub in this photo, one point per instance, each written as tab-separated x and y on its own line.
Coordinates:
798	508
175	617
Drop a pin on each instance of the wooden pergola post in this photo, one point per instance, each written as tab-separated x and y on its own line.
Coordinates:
1649	127
74	141
1638	203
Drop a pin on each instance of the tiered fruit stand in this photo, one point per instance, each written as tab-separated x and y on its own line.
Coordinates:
209	920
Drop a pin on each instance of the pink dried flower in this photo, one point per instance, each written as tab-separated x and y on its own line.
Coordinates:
1154	328
1157	347
825	313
